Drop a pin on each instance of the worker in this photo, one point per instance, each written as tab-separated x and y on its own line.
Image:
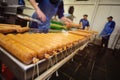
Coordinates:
70	13
84	22
107	31
44	10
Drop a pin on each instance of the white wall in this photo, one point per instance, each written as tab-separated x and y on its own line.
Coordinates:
105	8
98	12
80	10
103	12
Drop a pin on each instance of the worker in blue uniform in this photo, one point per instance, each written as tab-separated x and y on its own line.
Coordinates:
107	31
44	11
84	22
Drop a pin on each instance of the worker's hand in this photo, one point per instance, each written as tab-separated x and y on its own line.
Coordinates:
68	24
87	28
66	21
41	15
81	25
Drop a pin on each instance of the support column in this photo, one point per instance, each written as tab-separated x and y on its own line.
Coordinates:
96	6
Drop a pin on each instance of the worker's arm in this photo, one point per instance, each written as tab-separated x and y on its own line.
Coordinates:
40	14
60	14
87	26
66	21
81	25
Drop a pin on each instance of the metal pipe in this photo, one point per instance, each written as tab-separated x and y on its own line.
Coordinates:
94	13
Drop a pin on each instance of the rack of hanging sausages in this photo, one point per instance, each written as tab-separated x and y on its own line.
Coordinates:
38	55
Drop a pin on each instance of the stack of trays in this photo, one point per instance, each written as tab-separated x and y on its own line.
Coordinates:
9	28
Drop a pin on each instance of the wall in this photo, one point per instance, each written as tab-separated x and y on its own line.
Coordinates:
80	10
105	8
97	11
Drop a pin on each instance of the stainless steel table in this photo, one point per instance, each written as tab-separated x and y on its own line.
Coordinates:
44	68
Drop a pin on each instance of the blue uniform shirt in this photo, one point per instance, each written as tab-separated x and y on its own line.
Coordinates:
49	10
85	23
108	29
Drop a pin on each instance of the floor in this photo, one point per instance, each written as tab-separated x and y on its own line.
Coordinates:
93	63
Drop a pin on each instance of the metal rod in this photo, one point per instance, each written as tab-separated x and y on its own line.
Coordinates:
0	67
49	72
96	5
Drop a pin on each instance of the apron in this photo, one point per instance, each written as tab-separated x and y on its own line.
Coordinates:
49	10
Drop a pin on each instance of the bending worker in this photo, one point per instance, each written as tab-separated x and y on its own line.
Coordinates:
44	10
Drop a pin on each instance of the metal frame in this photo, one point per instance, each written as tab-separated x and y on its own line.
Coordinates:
24	72
49	72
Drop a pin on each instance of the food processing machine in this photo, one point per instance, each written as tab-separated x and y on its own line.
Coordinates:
9	10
